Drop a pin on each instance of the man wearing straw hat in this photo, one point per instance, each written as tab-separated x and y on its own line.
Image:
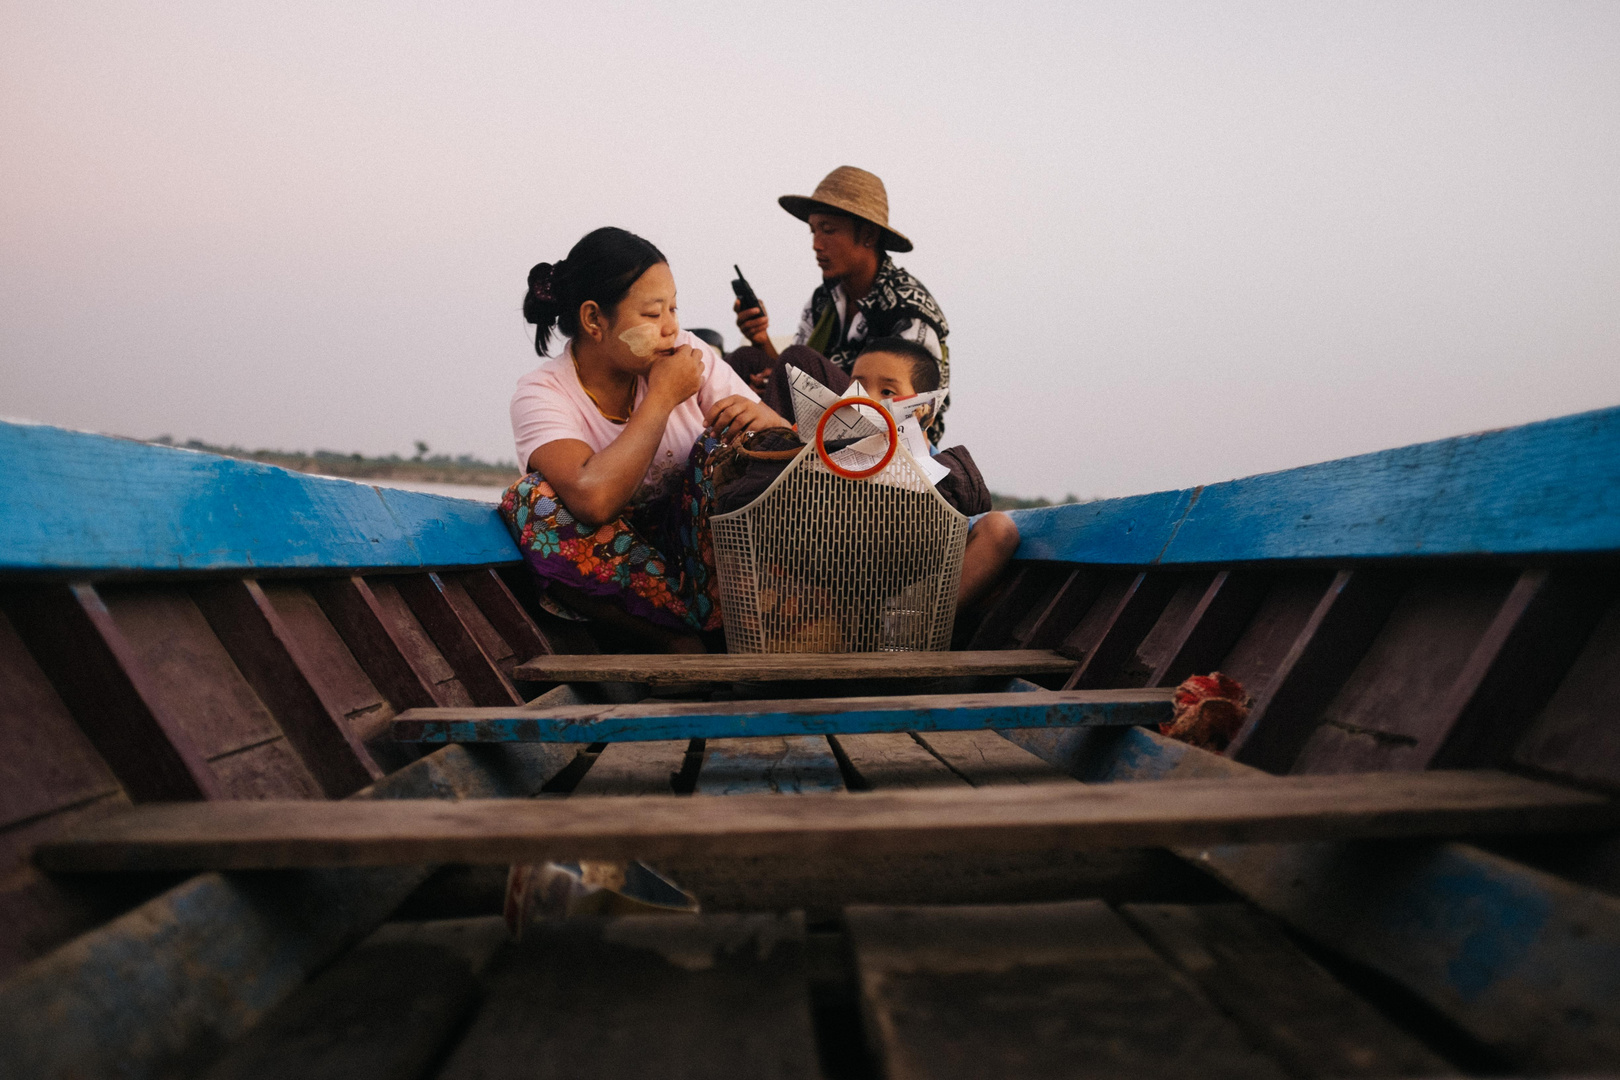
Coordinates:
863	295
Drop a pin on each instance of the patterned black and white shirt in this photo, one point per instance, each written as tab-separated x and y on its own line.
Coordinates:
898	305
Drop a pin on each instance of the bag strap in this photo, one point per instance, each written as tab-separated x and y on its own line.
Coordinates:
769	455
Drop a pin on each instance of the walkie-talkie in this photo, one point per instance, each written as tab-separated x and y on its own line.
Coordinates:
744	291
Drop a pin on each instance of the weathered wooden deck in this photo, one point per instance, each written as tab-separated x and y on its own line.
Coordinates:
255	635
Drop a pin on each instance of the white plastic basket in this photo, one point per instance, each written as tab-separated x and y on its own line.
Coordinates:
821	563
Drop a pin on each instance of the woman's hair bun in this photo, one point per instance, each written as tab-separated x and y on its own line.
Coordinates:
601	267
540	282
540	302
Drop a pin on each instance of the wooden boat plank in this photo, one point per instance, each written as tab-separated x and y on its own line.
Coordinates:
1131	531
707	996
725	882
486	683
497	648
1285	1002
1161	638
1523	961
1132	618
336	674
1211	630
1531	490
1575	734
191	511
1341	628
271	770
558	635
1049	579
1391	701
330	666
1003	607
48	763
274	665
985	759
666	669
1010	616
385	1009
494	598
409	633
1067	604
809	716
897	762
1082	636
113	698
1258	654
216	952
1488	664
356	615
213	955
191	670
643	768
891	760
271	835
39	911
787	765
1109	662
1542	627
1034	991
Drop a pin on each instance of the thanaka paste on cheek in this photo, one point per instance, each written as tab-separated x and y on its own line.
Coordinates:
642	339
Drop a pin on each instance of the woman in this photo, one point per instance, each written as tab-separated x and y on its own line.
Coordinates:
616	435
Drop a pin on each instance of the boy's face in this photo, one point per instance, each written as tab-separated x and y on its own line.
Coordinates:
884	375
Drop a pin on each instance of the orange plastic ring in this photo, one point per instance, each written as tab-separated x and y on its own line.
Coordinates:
821	439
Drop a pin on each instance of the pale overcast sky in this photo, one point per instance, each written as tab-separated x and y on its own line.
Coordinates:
1176	242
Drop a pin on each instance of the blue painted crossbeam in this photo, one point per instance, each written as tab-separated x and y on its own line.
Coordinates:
813	716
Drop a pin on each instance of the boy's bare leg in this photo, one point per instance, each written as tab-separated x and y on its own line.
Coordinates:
990	548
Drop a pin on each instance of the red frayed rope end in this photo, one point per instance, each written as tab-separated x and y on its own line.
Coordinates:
1209	711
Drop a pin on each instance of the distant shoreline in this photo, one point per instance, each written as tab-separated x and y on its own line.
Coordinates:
442	469
437	469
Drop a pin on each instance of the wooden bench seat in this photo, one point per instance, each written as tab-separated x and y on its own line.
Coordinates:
658	669
648	721
280	835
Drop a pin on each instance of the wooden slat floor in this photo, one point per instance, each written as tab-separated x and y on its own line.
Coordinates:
895	959
1353	600
1165	978
897	962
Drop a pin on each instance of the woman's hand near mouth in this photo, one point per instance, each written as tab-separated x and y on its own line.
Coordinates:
674	376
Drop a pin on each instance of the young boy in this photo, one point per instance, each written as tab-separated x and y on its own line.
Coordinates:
893	367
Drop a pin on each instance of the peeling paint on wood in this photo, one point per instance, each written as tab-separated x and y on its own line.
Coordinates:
752	719
1536	489
186	510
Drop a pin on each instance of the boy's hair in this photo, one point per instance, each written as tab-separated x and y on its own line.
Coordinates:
924	367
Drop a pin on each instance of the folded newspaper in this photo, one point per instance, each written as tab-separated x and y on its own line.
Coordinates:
811	399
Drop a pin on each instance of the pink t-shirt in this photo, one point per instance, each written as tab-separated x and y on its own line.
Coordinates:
549	404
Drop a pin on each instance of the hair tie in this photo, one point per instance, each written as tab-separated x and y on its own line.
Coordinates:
540	280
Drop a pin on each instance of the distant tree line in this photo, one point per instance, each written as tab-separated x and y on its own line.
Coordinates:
425	466
444	469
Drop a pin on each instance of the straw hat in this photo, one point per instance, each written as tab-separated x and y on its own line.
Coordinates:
848	190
